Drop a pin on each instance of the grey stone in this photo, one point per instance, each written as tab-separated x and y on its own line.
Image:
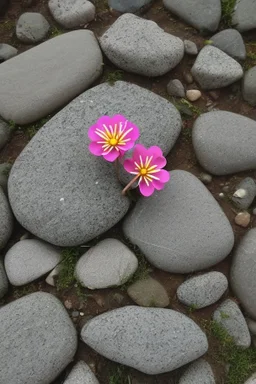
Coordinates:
176	88
192	233
230	317
225	142
202	14
215	69
243	269
7	52
4	172
51	278
148	293
3	281
140	46
152	340
110	263
254	211
247	185
131	6
5	133
58	164
72	13
81	373
251	380
44	78
6	222
201	291
252	326
249	86
244	15
199	372
38	339
231	42
28	260
32	27
190	47
205	178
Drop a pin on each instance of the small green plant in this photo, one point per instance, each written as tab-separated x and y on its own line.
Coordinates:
23	291
101	5
192	308
227	7
119	376
56	31
7	25
12	125
224	315
208	42
113	76
32	129
66	276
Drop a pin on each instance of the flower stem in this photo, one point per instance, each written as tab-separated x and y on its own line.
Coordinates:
130	184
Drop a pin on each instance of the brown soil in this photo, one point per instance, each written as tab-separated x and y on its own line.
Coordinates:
181	157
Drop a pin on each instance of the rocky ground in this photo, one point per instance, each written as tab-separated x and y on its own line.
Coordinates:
100	288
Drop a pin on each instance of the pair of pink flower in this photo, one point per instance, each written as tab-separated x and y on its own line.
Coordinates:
111	137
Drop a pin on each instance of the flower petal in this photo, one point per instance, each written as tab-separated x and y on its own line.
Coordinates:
163	175
112	155
158	185
95	148
146	190
127	146
159	161
139	150
129	165
155	151
91	133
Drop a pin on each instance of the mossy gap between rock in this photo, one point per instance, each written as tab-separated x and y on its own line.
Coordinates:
227	7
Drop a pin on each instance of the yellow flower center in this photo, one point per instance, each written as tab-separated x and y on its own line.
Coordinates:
113	141
143	171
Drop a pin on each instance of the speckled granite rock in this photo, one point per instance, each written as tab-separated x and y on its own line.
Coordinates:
6	222
81	374
249	86
231	42
199	372
72	13
32	27
244	15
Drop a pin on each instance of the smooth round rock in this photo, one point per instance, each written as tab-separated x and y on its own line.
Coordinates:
193	94
215	69
221	146
203	290
243	270
247	185
251	380
205	178
3	281
186	229
140	46
32	27
72	13
198	372
231	42
6	222
190	47
7	52
230	317
37	331
152	340
244	15
176	88
5	133
4	173
81	374
251	325
148	293
131	6
110	263
249	86
243	219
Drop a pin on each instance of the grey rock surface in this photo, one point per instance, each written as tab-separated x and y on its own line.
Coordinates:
7	52
249	86
215	69
148	292
72	13
5	133
190	47
231	42
131	6
32	27
36	330
191	233
44	78
6	222
222	147
140	46
244	15
4	172
176	88
203	290
251	380
230	317
243	269
251	325
81	374
109	263
199	372
28	260
3	281
152	340
248	187
202	14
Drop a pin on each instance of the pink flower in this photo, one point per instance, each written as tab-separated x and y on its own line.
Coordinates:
112	136
147	165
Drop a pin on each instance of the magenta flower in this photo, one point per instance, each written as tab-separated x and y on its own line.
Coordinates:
112	136
147	165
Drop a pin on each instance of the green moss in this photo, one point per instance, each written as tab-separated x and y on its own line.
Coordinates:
227	11
7	25
23	291
66	276
113	76
119	375
101	5
32	129
56	31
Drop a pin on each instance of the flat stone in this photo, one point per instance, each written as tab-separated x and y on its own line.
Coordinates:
5	133
243	219
247	185
28	260
198	372
244	15
152	340
203	290
81	373
215	69
72	13
36	330
148	293
7	52
243	269
231	42
3	281
46	77
190	47
4	172
140	46
6	222
176	88
32	27
192	233
249	86
202	14
131	6
230	317
110	263
221	146
251	380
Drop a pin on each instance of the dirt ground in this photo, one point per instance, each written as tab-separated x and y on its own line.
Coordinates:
181	157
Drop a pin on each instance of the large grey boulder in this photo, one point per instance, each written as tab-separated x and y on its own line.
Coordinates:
199	372
202	14
243	269
185	230
225	142
38	339
131	6
7	52
244	15
44	78
81	374
140	46
231	42
32	27
213	68
3	281
5	133
6	222
152	340
249	86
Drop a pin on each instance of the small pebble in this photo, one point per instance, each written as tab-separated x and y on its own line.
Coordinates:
68	304
81	314
176	88
214	95
243	219
205	178
226	188
193	94
188	77
221	195
190	47
75	314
